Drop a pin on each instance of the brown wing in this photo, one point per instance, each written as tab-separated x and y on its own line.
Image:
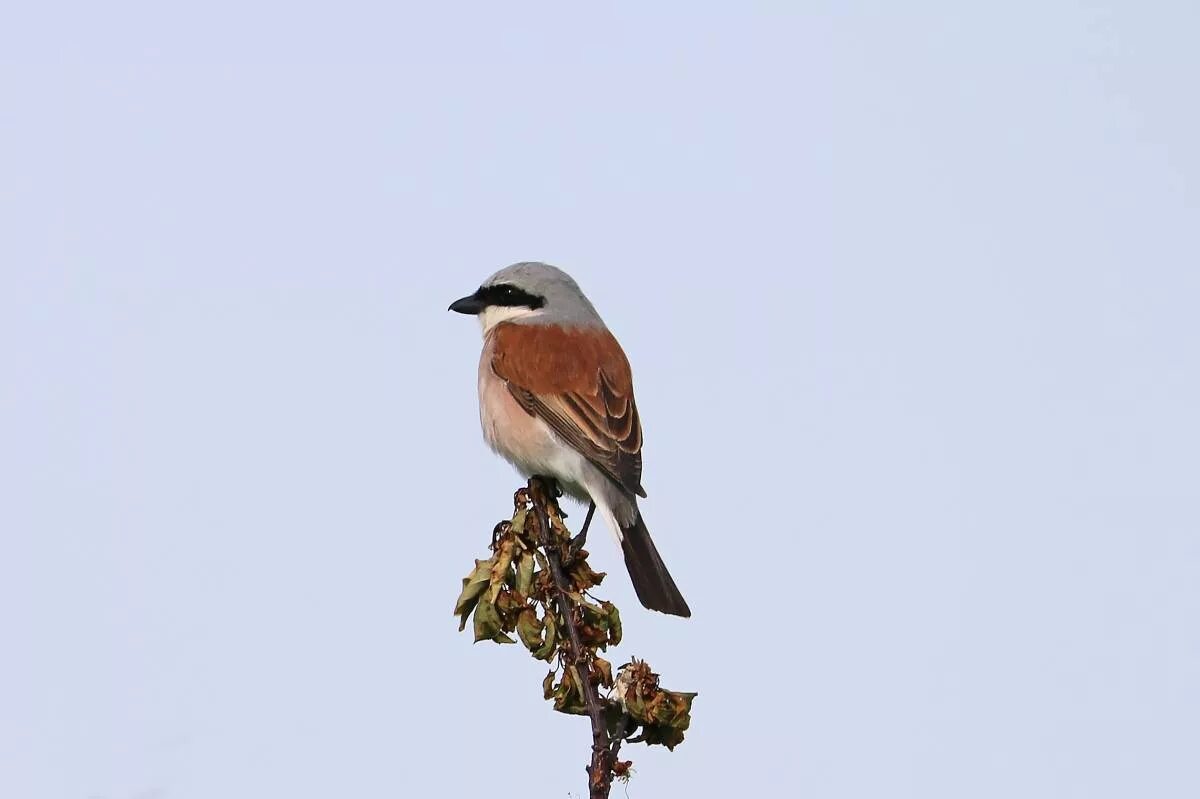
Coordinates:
578	382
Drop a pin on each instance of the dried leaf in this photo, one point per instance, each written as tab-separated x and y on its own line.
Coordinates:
614	622
508	606
518	521
473	586
525	574
594	627
663	715
529	629
581	575
568	697
500	566
550	644
603	671
487	624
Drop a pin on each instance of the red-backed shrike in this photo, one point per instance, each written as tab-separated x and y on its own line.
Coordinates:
556	399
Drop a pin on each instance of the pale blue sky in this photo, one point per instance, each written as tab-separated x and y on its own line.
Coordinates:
910	291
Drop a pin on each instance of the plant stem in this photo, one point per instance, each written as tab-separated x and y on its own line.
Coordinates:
542	492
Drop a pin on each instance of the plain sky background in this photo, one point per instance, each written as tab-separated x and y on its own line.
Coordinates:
911	293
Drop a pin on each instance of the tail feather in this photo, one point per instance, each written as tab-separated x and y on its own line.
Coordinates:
651	580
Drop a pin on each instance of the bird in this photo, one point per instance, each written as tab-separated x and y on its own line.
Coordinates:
556	400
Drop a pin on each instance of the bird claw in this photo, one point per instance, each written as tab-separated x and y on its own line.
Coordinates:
576	543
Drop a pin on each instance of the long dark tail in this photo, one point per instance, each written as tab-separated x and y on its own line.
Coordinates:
649	574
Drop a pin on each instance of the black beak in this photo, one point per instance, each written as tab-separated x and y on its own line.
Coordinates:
468	305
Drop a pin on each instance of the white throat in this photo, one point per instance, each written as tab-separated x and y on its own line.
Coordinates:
495	314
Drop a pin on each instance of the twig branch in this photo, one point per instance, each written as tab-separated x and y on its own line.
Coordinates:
600	770
537	585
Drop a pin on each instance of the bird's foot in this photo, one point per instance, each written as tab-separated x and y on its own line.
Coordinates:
578	541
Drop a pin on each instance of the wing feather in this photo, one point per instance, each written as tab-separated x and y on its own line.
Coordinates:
577	381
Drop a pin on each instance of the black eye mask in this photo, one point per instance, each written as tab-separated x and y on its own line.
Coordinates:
509	296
